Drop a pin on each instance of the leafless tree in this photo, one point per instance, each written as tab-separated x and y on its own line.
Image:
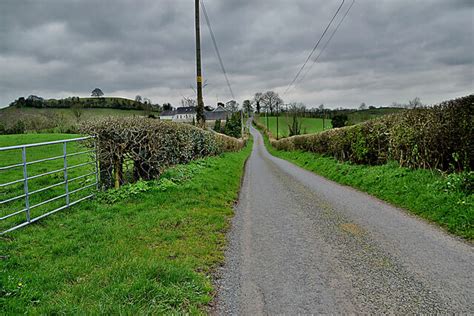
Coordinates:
257	99
185	102
271	100
232	106
295	110
77	110
147	106
247	106
415	103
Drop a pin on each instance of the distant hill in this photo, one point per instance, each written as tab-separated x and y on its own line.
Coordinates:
56	120
91	102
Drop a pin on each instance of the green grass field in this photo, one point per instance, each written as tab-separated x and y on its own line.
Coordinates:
425	193
12	157
357	117
148	248
309	125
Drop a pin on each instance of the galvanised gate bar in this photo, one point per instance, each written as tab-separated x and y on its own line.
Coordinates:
85	158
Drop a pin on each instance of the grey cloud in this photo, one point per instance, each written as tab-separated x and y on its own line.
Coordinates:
386	50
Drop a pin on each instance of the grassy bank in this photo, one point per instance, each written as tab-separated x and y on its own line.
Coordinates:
148	248
309	125
426	193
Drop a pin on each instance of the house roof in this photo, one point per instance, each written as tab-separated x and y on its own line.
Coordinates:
220	109
215	115
186	110
168	113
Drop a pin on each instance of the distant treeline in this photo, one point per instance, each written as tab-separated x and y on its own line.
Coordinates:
93	102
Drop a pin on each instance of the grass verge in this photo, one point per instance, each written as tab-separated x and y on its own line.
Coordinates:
147	248
428	194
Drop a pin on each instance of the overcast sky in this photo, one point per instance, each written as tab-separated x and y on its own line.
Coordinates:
385	50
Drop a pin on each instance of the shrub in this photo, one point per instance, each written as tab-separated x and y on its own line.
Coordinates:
149	146
217	126
462	182
233	125
17	128
123	193
440	137
295	127
339	120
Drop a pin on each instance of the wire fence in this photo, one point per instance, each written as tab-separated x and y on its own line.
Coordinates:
43	178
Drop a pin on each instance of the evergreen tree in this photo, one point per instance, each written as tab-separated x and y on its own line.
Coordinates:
217	126
339	120
233	125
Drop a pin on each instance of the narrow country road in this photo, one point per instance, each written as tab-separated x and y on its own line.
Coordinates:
301	244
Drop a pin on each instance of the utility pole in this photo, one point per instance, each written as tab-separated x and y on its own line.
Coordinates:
266	114
277	119
200	103
242	123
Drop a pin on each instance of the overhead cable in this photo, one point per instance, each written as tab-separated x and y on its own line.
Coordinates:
314	49
216	48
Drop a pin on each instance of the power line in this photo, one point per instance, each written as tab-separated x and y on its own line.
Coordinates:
314	48
325	45
216	48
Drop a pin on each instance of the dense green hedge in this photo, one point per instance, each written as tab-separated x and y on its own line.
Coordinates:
150	146
440	137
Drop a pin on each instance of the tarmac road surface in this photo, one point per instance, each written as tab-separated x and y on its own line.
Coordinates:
301	244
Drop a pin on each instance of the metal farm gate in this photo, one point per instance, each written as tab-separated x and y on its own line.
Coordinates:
44	178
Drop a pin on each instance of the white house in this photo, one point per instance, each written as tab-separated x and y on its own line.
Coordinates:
188	114
167	115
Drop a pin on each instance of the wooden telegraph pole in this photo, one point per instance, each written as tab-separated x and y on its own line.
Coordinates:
266	114
200	103
242	123
277	118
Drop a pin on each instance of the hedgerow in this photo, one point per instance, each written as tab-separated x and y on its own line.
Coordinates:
134	148
440	137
